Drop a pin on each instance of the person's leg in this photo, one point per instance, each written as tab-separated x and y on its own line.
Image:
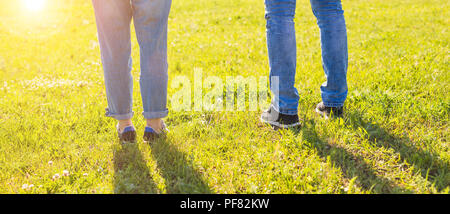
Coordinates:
282	50
333	34
150	20
113	19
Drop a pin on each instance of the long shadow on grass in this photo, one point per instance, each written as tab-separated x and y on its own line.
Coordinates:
132	176
350	164
430	165
178	172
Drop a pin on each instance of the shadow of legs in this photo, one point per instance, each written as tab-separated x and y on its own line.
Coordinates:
350	164
430	165
131	175
176	169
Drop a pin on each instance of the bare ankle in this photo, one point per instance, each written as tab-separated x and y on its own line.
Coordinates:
156	124
125	123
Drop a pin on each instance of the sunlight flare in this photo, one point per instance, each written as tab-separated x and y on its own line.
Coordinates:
34	5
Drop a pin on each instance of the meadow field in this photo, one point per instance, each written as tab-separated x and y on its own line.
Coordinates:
393	138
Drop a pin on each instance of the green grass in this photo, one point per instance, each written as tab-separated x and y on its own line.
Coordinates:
394	137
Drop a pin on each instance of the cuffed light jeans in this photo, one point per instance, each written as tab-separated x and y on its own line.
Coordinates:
281	44
150	17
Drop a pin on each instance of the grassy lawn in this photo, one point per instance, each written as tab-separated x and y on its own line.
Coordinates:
394	137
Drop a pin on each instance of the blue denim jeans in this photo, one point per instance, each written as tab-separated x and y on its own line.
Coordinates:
281	44
150	17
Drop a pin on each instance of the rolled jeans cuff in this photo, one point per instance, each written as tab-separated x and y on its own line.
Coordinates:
119	116
283	111
155	114
333	104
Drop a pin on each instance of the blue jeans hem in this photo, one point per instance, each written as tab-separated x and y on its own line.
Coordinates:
119	116
327	104
155	114
286	112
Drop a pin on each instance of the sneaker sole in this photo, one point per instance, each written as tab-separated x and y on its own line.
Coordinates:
122	142
279	125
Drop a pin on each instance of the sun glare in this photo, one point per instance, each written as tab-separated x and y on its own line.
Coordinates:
34	5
